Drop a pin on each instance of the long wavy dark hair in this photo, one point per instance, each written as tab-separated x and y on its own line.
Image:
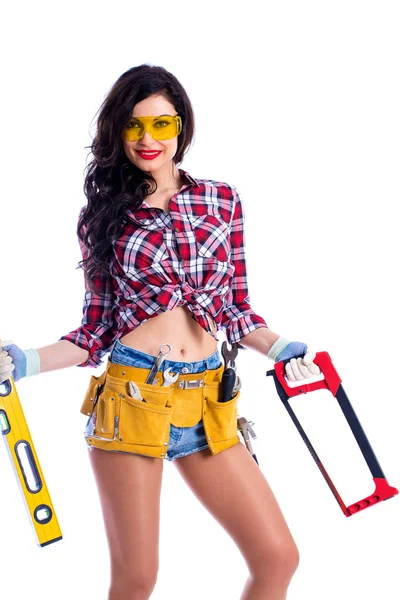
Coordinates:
113	184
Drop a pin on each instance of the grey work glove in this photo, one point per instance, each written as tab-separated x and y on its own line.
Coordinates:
16	362
298	368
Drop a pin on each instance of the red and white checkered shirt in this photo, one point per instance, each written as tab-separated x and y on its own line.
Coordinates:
194	256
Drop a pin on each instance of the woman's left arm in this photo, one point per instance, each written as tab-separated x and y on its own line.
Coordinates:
238	319
260	340
249	330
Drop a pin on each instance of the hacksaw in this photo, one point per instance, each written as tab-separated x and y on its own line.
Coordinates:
332	382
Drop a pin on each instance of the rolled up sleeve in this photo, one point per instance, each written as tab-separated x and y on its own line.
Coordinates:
238	318
97	331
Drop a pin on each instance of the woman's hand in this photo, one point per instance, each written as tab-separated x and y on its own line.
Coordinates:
17	362
298	368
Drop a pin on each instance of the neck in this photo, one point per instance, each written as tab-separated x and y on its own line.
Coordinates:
167	178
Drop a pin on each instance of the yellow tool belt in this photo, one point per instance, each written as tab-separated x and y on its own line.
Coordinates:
125	424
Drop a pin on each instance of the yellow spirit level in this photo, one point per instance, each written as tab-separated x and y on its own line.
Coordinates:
26	465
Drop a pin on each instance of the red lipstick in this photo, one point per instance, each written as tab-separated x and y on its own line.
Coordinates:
147	155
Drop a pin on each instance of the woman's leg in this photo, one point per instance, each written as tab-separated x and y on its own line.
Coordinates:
234	490
129	487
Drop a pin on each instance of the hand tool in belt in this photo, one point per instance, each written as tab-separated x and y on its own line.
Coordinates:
230	385
229	381
247	431
168	380
159	360
332	382
133	388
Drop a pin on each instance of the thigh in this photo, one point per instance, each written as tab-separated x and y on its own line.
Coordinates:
234	490
129	487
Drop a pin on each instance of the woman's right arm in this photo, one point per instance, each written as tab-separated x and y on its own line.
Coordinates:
20	363
83	347
86	345
60	355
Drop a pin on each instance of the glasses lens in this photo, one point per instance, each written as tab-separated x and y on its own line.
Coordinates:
160	128
133	131
163	128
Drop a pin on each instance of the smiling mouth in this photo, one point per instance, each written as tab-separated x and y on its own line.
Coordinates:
148	154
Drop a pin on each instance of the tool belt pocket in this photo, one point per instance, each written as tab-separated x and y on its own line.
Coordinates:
220	418
128	420
146	423
92	392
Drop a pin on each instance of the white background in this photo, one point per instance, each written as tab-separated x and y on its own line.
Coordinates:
297	105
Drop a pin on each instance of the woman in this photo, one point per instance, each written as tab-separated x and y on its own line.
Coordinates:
163	256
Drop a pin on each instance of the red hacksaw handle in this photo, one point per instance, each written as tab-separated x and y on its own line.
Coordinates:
324	362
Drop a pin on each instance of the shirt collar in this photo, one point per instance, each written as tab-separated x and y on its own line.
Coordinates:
147	215
192	182
191	179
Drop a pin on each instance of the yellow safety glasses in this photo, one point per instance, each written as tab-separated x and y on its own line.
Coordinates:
160	128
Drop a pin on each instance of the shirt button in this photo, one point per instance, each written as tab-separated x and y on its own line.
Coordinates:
177	229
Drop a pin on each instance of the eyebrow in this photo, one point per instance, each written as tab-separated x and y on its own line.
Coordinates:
155	116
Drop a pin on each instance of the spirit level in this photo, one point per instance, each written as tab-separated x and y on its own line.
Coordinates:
26	466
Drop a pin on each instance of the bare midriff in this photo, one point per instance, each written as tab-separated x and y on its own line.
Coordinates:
188	340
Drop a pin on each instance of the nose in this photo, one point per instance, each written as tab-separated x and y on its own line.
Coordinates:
146	137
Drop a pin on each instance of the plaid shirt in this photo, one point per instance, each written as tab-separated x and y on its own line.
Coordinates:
194	256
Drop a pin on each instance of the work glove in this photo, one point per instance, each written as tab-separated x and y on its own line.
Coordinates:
296	369
16	362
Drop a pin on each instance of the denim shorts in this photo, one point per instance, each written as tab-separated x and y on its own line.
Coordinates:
183	440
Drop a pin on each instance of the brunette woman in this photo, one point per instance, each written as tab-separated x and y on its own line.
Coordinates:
165	270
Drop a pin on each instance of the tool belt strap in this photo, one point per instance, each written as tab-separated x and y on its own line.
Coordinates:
187	391
140	375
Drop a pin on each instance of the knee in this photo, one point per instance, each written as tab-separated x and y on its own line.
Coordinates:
285	558
279	561
132	586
